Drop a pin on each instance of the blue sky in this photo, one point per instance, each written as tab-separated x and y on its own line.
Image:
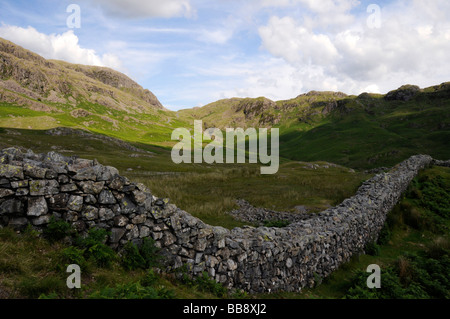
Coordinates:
193	52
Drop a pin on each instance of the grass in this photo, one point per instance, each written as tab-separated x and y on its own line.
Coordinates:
33	267
365	132
372	133
208	195
422	242
206	191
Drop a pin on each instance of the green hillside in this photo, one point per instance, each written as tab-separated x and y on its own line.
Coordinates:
365	131
370	131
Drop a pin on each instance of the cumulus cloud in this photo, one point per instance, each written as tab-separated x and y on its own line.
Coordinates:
63	46
284	38
410	46
131	9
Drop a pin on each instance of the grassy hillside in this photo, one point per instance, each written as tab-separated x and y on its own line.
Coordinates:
369	131
365	131
204	190
362	131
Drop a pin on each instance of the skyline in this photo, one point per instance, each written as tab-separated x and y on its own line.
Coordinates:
193	52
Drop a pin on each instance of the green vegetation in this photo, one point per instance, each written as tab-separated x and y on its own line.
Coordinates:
360	132
372	132
57	230
413	253
202	283
412	250
143	257
204	190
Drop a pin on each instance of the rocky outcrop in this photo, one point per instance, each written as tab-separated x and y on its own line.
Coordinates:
35	187
259	107
403	93
26	77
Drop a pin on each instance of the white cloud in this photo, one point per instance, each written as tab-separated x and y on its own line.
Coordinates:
284	38
410	47
132	9
324	13
58	46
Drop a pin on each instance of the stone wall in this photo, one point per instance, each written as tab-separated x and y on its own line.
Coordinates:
34	187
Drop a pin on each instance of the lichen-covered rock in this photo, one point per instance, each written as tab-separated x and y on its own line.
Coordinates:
43	187
11	171
75	203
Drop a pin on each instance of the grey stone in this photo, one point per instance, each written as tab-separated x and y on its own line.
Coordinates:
75	203
144	232
200	244
105	214
71	216
22	192
90	213
87	174
127	206
117	183
157	235
51	174
41	220
120	221
18	223
34	171
58	202
91	187
140	197
43	187
138	219
90	199
289	263
11	206
117	234
133	233
168	239
19	184
106	197
4	182
4	192
63	179
231	264
106	173
67	188
56	157
11	171
37	206
254	259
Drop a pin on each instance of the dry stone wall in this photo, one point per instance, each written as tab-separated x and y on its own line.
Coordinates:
34	187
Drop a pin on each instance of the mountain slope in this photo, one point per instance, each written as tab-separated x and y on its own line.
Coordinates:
36	93
362	131
28	79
